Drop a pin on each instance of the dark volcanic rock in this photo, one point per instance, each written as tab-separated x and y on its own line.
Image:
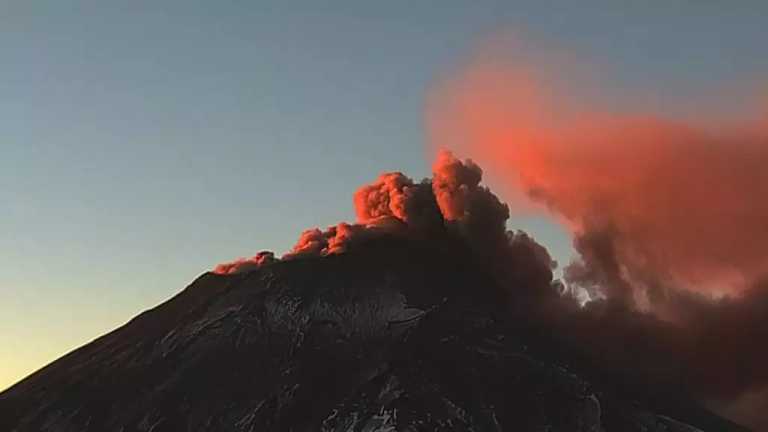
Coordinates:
390	338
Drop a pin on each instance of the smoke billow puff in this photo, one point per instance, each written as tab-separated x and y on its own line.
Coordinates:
242	265
669	217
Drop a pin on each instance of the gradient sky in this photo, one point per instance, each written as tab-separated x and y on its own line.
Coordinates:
143	143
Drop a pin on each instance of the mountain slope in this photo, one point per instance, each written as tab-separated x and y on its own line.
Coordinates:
395	336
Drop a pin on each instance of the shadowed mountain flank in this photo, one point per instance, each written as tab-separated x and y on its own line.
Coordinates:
394	335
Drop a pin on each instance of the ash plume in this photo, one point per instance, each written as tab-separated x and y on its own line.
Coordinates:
676	198
668	218
452	203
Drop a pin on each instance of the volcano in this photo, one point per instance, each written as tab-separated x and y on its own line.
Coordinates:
393	335
427	314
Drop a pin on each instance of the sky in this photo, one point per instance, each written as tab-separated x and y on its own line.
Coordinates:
144	142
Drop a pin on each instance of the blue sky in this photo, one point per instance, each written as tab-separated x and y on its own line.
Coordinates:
143	142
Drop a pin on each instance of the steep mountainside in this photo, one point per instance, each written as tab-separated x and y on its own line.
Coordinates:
389	338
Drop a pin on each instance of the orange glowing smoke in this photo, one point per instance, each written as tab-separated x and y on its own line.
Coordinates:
452	205
242	265
677	200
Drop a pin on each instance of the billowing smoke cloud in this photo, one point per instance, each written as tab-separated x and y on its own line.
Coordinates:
669	217
452	203
671	198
